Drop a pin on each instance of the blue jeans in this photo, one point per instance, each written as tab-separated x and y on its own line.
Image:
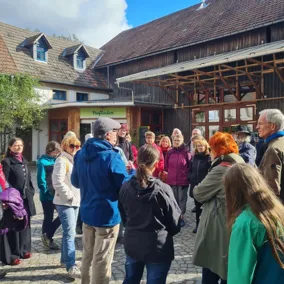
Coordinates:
68	217
156	272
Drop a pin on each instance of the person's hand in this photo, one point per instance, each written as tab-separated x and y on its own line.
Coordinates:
130	166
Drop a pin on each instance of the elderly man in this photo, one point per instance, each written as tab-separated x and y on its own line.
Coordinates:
270	127
123	143
99	172
246	150
195	132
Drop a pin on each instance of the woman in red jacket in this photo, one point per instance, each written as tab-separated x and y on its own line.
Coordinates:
177	165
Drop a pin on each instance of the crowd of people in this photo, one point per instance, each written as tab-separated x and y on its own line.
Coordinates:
116	193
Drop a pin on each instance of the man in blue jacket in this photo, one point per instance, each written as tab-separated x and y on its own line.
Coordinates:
99	172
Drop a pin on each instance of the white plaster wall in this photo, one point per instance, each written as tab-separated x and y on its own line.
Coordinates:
45	94
71	96
40	139
98	96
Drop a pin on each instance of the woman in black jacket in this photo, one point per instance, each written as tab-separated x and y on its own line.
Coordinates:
201	163
151	215
17	245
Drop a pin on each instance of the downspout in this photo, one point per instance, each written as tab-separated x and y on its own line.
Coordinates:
128	89
108	76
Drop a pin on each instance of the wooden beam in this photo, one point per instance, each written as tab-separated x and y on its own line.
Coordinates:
276	69
227	84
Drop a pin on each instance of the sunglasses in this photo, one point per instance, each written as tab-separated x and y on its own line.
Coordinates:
72	146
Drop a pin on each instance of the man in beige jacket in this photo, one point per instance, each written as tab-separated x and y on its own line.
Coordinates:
270	127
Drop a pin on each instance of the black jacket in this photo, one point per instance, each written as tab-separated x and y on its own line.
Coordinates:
18	176
126	148
200	165
152	218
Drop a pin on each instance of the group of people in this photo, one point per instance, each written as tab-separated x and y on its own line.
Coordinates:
239	207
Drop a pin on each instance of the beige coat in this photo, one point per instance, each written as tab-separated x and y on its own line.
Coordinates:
65	193
272	168
211	243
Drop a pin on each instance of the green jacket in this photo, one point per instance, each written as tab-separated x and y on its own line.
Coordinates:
44	167
251	260
211	243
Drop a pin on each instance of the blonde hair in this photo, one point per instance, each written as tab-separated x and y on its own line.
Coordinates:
165	138
244	185
68	141
150	133
203	142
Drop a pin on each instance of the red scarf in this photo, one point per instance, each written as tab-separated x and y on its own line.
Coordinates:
18	156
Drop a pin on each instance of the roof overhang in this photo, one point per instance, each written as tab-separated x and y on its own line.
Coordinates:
88	104
221	59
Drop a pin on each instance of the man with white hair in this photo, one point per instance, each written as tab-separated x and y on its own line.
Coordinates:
270	127
195	132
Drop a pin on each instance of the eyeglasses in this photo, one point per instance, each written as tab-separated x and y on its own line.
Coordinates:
18	146
72	146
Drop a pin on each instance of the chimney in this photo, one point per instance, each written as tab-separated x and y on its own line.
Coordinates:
203	5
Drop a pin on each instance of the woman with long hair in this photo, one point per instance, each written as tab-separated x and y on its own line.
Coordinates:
255	218
151	216
67	201
200	165
211	243
18	245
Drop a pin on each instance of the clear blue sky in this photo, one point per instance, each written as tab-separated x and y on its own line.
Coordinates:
140	12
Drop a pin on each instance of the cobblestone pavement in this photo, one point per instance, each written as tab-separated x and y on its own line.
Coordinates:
44	268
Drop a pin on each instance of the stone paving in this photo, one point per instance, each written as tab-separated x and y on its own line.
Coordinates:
44	267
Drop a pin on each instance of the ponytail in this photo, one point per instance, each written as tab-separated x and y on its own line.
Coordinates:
148	155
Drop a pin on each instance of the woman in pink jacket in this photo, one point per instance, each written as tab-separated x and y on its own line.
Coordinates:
177	166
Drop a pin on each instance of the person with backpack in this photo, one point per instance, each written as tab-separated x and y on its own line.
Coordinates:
45	167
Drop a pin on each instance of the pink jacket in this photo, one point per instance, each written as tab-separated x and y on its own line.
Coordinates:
177	165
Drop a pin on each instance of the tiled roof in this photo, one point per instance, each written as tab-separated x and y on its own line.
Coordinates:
59	69
191	26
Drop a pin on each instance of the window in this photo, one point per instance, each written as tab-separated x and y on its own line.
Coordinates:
81	57
59	95
57	129
82	97
41	50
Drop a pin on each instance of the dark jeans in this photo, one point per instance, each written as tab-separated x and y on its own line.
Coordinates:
156	272
198	212
209	277
49	226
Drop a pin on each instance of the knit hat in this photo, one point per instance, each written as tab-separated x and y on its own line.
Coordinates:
124	126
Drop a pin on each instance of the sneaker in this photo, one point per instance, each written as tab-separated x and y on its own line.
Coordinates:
45	240
27	255
193	210
53	246
182	223
74	272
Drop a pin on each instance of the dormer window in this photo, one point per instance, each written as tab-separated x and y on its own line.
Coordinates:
80	60
41	50
78	54
39	46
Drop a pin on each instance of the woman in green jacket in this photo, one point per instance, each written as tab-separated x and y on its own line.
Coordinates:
256	225
211	243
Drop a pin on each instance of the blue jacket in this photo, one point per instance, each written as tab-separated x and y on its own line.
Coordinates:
248	153
45	166
99	172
